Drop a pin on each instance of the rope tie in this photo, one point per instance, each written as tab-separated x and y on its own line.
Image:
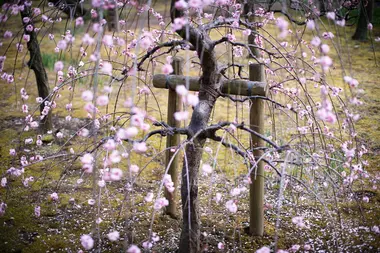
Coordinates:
212	92
167	82
249	90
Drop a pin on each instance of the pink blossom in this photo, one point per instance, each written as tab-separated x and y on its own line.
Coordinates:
116	174
107	68
87	95
58	66
179	116
87	242
160	203
79	21
310	24
109	145
37	211
128	133
26	37
298	220
19	47
181	90
29	141
316	41
96	3
330	15
10	79
365	199
87	159
101	183
282	25
4	182
178	23
231	206
108	40
147	245
206	168
191	100
107	89
325	48
167	69
295	247
113	236
341	22
247	32
102	100
263	250
231	37
94	14
54	196
134	169
87	39
59	135
370	26
26	20
140	147
137	119
3	206
29	28
62	44
144	90
8	34
307	247
195	4
325	62
326	115
12	152
181	5
133	249
149	197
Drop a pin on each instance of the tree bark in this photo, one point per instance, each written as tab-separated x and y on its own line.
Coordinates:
365	17
208	93
35	63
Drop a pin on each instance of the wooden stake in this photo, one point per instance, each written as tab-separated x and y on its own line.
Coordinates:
256	199
172	141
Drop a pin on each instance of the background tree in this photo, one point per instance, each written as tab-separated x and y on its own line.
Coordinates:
364	20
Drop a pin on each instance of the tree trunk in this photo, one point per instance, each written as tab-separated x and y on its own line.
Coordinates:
365	17
208	93
35	63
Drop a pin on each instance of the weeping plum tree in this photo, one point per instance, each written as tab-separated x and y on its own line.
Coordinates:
111	140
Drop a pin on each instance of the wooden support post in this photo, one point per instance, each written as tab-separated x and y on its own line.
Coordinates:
256	191
174	105
232	87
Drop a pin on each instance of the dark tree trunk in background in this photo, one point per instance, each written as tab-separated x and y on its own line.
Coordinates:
365	17
35	63
72	8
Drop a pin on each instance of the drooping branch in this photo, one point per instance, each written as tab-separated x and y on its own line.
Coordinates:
210	131
171	44
242	100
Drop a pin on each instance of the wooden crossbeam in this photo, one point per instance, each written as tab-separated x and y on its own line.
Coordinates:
233	87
